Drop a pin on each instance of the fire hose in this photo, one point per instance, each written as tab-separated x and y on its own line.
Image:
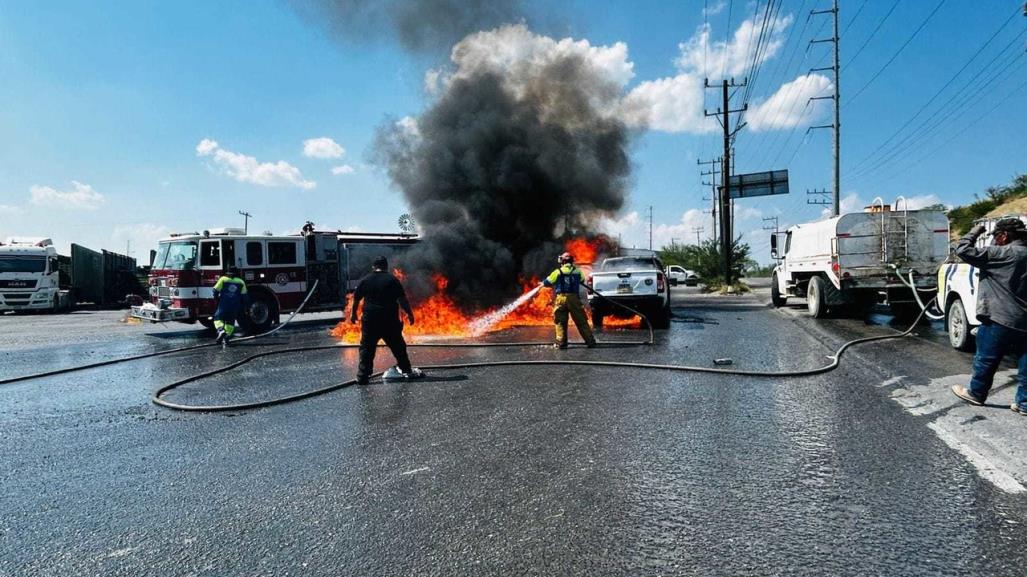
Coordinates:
118	360
157	397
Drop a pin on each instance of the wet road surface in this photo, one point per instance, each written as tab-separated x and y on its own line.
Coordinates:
505	471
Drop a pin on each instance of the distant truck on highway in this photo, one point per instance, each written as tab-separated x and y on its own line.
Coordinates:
635	281
957	291
681	275
33	277
851	261
278	270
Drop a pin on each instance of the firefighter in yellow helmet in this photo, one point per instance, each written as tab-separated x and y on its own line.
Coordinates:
566	281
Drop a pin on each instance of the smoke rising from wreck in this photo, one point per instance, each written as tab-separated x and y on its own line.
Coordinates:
515	151
418	25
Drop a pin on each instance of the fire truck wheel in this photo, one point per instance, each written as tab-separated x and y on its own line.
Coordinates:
207	323
260	314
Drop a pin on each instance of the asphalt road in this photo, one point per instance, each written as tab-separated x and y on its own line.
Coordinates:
509	471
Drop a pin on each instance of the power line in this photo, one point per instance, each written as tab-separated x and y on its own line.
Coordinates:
944	120
763	136
897	52
792	104
873	33
854	16
862	162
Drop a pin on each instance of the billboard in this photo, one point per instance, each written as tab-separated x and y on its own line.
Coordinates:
758	184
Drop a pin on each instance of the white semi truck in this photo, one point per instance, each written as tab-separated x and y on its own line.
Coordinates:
34	277
957	291
852	261
30	276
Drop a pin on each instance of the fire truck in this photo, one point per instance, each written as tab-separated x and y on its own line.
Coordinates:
278	270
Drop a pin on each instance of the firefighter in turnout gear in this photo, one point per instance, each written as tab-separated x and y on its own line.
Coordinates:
230	293
382	295
566	281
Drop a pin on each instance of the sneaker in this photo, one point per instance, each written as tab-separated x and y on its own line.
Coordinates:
1018	409
414	373
362	381
965	394
559	346
592	345
221	336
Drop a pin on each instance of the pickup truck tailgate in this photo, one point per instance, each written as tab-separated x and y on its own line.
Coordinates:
634	283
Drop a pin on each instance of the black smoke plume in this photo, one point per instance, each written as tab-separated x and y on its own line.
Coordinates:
505	161
418	25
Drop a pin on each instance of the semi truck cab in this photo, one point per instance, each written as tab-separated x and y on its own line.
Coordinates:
29	275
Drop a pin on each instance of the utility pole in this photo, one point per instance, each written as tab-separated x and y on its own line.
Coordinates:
823	200
650	227
697	230
726	234
837	126
246	222
712	173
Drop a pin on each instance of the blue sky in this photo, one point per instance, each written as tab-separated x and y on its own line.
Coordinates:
105	109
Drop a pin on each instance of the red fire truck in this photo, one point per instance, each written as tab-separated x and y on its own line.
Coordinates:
278	270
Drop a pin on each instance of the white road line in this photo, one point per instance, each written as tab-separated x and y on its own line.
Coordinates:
999	478
414	471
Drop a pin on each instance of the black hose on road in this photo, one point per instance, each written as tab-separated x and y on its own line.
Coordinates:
835	361
109	362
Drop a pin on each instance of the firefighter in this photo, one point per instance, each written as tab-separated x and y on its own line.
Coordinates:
567	281
382	295
1001	308
230	294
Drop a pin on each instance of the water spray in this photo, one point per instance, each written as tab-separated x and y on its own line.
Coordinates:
486	322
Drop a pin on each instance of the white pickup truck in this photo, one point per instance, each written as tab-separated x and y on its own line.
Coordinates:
850	261
634	281
681	275
957	292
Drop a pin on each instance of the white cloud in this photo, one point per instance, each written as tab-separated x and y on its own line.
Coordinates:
672	104
8	210
322	147
343	169
790	105
633	230
675	104
80	197
923	201
682	232
720	59
144	237
717	8
206	146
247	169
852	202
747	212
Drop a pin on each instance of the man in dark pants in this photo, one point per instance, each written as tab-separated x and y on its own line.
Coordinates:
1001	308
382	295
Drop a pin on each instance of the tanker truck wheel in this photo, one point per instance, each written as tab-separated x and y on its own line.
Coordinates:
776	297
815	298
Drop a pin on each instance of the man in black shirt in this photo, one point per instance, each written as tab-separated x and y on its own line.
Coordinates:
382	295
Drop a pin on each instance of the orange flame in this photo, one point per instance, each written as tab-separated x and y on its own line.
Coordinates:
440	316
583	250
